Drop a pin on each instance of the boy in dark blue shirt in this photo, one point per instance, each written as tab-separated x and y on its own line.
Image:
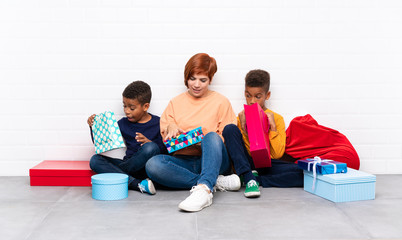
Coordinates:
141	132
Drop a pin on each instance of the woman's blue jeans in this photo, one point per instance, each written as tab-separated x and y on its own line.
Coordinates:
134	166
183	172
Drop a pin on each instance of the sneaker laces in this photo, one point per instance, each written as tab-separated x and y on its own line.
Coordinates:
193	189
141	187
221	182
220	188
199	187
252	183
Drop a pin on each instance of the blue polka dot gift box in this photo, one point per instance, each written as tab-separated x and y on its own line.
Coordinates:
109	186
106	133
184	140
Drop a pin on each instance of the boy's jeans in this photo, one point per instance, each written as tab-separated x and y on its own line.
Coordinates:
281	174
133	166
186	171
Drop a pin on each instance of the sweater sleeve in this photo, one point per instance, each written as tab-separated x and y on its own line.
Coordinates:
167	118
226	116
278	138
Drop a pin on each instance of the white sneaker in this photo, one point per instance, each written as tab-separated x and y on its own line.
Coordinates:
199	198
228	183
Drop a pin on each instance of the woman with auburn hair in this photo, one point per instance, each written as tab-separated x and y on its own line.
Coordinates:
198	166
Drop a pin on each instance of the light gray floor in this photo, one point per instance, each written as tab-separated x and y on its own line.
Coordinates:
70	213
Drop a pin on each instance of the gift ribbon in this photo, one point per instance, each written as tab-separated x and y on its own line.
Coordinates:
318	160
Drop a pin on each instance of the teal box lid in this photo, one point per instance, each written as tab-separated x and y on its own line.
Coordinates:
351	176
109	178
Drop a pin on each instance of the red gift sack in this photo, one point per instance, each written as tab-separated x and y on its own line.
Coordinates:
306	139
258	134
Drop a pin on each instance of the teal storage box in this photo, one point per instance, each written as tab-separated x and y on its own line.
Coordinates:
342	187
109	186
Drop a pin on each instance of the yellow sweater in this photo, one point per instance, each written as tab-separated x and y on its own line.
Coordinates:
277	140
212	112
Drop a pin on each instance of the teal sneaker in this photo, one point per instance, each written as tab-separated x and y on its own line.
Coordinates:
252	189
147	186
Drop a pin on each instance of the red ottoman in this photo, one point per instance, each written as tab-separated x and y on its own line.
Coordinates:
61	173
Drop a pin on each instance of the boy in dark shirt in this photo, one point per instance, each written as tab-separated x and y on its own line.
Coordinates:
141	133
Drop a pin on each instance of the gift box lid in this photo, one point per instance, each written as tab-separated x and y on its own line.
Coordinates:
326	166
109	178
351	176
53	168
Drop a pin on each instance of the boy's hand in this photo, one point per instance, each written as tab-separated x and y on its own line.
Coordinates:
90	120
173	131
141	138
242	118
272	125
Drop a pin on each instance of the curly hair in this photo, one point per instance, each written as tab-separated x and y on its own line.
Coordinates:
258	78
138	90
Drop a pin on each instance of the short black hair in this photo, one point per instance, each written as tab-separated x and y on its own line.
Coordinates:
258	78
138	90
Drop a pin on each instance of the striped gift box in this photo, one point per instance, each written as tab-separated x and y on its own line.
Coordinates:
342	187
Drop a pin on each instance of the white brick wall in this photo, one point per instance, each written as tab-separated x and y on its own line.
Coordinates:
61	61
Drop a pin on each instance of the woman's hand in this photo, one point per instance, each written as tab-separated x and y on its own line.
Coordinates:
90	120
141	138
172	131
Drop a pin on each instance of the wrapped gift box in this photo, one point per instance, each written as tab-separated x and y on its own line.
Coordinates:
184	140
342	187
61	173
322	166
